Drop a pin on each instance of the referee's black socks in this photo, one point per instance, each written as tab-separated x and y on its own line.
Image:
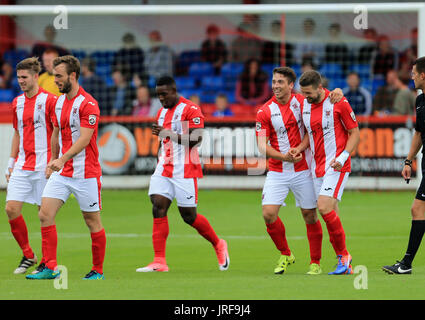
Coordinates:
416	233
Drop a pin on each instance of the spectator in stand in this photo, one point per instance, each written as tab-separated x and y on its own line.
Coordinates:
213	49
385	58
6	72
383	100
404	101
359	98
410	54
144	105
310	46
48	43
336	51
130	54
222	106
367	51
246	45
122	93
94	85
47	80
252	87
272	49
159	58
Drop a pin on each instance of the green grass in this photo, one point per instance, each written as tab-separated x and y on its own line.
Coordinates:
376	224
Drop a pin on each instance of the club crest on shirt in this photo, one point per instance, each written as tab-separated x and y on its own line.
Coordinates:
92	119
353	116
328	113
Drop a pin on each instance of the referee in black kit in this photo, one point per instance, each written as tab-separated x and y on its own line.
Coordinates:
418	207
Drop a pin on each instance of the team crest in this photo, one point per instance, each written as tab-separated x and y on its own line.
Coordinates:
353	116
197	120
258	126
92	119
328	113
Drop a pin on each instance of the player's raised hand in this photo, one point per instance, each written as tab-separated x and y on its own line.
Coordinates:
336	95
56	164
156	129
335	165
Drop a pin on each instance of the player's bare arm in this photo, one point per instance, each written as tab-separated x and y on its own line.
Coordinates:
415	146
192	139
82	142
352	142
13	154
271	152
54	147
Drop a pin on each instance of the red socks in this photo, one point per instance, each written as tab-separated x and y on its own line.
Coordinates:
276	230
204	228
49	244
315	236
20	233
98	247
159	238
336	233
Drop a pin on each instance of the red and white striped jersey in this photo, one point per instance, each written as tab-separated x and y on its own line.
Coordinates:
176	160
32	118
70	116
282	124
327	125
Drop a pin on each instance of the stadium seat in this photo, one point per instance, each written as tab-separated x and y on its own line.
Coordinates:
184	83
6	95
297	69
103	57
201	69
79	54
241	110
208	96
208	108
232	69
231	98
268	68
185	59
103	69
363	70
213	83
331	70
14	56
189	92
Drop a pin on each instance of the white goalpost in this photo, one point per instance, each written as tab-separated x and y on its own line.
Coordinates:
63	15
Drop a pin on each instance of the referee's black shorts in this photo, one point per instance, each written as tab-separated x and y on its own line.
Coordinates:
420	194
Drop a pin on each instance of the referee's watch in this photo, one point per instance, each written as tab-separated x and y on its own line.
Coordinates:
408	162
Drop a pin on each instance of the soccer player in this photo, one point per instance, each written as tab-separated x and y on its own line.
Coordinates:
27	170
417	228
76	166
179	127
278	129
333	134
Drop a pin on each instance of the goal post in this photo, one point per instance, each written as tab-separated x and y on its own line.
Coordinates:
87	33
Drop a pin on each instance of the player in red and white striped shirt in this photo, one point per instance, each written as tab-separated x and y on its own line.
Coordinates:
179	127
279	128
333	134
27	170
75	160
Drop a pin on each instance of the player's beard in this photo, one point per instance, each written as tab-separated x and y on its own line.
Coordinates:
67	86
314	100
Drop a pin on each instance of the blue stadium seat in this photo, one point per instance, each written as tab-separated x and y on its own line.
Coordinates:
230	96
184	83
103	57
208	96
103	69
185	59
201	69
232	69
363	70
337	83
212	83
297	69
6	95
331	70
366	83
268	68
79	54
189	92
14	56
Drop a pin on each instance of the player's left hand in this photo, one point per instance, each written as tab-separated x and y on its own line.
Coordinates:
335	165
48	172
336	95
56	164
156	129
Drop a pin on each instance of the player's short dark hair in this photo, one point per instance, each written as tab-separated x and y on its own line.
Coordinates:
287	72
311	77
166	81
31	64
420	64
71	62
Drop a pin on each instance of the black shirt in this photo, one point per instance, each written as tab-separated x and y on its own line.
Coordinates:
420	117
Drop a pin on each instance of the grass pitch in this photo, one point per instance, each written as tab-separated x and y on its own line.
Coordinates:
377	226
